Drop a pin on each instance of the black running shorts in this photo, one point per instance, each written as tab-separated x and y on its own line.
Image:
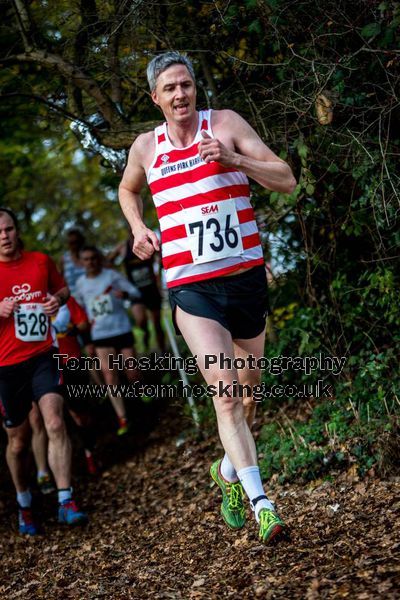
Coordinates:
25	382
238	302
150	297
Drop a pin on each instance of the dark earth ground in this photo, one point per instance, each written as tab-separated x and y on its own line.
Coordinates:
155	531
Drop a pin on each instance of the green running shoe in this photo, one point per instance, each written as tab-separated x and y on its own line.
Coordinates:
270	525
232	508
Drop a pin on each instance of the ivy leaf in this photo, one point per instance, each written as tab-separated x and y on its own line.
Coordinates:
255	27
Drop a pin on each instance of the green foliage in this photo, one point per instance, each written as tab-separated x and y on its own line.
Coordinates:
51	184
341	250
332	439
345	429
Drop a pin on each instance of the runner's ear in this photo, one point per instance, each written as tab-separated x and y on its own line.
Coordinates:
154	97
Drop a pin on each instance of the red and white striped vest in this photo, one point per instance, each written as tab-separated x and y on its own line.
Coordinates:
206	220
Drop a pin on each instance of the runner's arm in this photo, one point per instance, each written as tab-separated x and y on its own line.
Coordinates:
250	154
7	307
133	180
54	301
62	295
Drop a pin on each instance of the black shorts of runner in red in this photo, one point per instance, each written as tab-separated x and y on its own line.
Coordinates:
238	302
24	382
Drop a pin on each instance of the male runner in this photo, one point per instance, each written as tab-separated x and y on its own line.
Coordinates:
101	292
196	165
31	291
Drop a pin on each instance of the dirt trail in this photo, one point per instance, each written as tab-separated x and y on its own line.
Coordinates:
155	532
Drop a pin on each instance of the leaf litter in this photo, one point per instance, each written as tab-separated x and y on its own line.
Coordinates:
155	532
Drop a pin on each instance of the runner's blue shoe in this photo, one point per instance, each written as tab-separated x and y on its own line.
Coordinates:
26	524
69	514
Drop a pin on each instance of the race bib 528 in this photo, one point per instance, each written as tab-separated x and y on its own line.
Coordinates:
31	323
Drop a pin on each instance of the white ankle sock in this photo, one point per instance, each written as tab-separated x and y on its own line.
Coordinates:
64	495
252	484
227	469
24	499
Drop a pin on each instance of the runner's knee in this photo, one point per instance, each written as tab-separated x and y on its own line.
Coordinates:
18	445
55	426
35	421
226	404
248	402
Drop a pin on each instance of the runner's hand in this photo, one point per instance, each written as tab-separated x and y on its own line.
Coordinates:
145	243
7	307
51	305
211	149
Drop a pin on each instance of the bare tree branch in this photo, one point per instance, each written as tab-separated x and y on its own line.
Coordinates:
74	75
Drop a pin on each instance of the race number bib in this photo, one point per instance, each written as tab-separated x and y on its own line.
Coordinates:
101	306
31	323
213	231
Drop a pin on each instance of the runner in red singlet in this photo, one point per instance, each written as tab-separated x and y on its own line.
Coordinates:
31	291
196	165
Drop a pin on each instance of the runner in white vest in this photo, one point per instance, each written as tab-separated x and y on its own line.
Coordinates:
196	165
101	292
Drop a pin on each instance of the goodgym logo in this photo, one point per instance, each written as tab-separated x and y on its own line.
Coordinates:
21	289
23	292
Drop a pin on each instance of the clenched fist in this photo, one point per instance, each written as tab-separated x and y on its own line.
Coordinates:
212	149
7	307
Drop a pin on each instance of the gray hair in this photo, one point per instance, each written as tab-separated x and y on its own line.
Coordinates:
162	62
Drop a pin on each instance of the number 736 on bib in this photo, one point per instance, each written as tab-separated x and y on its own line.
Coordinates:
213	233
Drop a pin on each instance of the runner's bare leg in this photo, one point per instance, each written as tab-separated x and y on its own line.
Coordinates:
59	447
206	336
111	377
39	438
243	349
17	454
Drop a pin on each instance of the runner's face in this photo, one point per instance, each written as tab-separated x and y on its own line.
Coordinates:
9	247
91	262
175	94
